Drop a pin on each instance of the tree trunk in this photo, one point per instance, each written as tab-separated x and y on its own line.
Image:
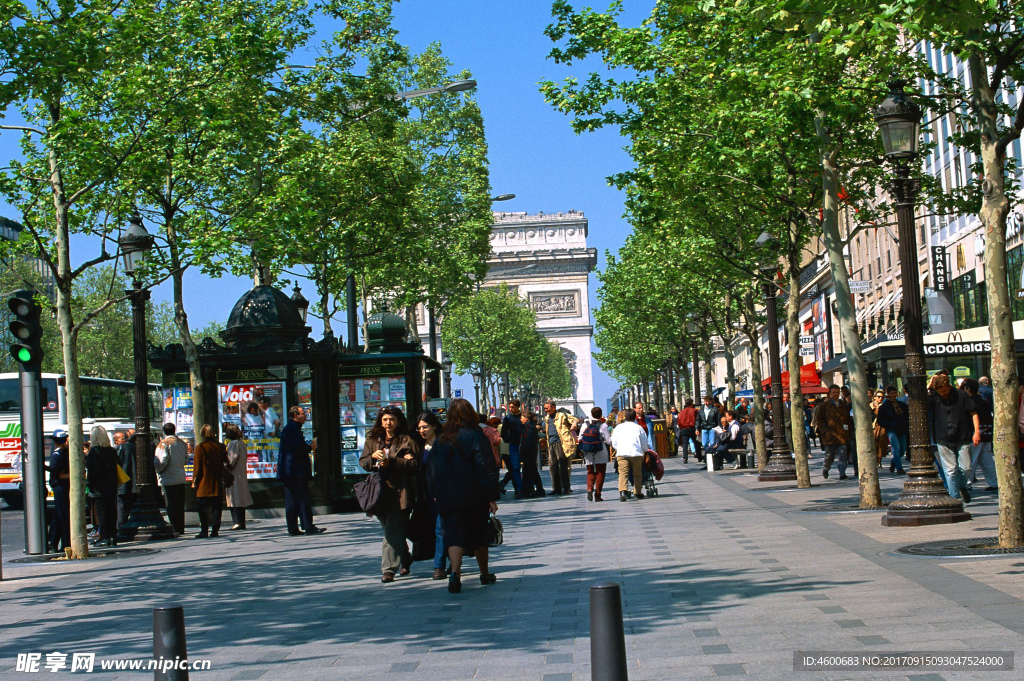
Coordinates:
760	443
201	414
709	382
870	492
366	306
796	398
994	209
325	302
69	350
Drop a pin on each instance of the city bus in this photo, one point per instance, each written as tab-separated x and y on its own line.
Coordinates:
105	401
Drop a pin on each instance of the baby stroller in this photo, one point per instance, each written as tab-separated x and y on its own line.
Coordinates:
653	470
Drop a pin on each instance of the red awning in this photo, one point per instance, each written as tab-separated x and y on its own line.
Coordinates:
810	381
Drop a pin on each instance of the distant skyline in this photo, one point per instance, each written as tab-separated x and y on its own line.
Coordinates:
532	150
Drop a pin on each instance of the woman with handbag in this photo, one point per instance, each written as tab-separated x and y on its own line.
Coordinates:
389	449
208	481
237	495
101	476
462	478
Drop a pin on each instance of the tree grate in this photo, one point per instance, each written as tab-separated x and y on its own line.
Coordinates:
958	548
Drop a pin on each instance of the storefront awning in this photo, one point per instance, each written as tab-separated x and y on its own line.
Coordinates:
810	381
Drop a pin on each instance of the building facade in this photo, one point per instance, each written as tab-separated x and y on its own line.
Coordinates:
546	260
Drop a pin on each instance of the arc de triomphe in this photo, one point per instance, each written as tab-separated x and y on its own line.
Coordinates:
545	258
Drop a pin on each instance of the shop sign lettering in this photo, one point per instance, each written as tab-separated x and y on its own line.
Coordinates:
940	275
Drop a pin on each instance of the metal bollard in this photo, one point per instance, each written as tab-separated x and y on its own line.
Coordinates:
169	643
607	637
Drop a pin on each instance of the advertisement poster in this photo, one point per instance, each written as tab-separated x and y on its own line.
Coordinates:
183	398
169	399
396	389
359	403
257	409
371	389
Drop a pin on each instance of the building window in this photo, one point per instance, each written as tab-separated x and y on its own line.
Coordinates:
970	305
1014	261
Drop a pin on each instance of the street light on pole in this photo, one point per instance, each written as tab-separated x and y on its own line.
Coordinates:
924	500
781	465
476	387
693	330
145	521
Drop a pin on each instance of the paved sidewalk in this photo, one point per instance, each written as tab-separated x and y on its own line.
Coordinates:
719	577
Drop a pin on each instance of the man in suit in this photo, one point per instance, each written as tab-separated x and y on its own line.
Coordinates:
295	471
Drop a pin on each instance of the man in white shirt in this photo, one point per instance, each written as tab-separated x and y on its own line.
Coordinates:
630	443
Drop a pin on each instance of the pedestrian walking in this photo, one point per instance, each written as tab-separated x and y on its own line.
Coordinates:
429	428
60	482
594	443
512	435
832	419
955	427
169	463
101	476
463	481
390	449
126	491
237	496
687	423
981	454
894	416
529	455
294	470
641	417
707	419
561	446
631	444
881	436
208	481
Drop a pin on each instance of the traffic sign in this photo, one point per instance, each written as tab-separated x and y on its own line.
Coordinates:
458	392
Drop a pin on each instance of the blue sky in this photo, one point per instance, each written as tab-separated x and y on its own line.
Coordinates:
533	152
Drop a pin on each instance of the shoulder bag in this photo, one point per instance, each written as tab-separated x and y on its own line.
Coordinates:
495	531
370	493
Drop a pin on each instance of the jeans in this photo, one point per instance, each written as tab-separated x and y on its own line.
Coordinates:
209	514
558	466
297	506
394	549
174	500
707	442
981	455
517	476
60	528
899	449
440	555
688	439
842	451
956	462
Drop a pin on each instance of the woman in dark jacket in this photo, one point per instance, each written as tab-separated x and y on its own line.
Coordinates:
529	450
389	448
101	476
208	481
462	477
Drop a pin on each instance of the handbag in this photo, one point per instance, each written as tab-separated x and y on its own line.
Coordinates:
122	477
370	493
227	476
495	531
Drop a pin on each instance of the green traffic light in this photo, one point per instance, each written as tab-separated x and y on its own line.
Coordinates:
24	355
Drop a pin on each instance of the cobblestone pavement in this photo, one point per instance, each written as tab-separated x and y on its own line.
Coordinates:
719	578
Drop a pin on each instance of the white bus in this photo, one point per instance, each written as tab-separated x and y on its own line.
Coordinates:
105	401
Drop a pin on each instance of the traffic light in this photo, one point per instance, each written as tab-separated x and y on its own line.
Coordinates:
27	332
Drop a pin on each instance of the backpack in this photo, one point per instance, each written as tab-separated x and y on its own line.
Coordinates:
591	441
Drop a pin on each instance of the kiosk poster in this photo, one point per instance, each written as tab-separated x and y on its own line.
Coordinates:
396	389
183	398
359	403
257	409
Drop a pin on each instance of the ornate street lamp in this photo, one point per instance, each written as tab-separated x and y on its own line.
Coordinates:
446	365
301	304
781	465
924	500
145	521
476	386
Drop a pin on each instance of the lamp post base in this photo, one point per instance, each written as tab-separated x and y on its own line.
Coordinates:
145	523
780	468
924	502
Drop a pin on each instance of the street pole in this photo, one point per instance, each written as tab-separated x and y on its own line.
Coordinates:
781	465
696	371
32	464
350	313
924	500
145	522
433	332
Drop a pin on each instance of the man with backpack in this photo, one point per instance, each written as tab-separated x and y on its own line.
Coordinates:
594	443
